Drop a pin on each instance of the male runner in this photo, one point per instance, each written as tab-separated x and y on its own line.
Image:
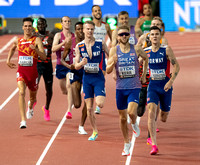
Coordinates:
45	67
93	61
58	46
160	85
124	57
74	77
100	31
143	23
123	19
101	28
29	48
144	41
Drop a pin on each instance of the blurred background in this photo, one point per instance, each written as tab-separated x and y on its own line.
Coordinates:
178	15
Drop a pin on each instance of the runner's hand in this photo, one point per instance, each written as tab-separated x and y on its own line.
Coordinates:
84	61
11	65
168	85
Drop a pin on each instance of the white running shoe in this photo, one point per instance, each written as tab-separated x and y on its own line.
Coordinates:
126	150
22	124
81	130
97	110
136	129
29	113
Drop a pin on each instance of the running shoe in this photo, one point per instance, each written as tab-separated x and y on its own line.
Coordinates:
22	124
149	142
69	115
81	130
154	150
46	113
93	137
136	129
29	113
126	150
97	110
157	130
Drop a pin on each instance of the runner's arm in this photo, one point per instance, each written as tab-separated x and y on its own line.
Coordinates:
138	31
105	48
176	68
114	38
56	45
11	53
109	32
66	53
112	60
79	64
40	49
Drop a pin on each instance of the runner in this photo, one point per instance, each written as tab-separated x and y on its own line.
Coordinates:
44	67
93	60
145	42
100	31
58	46
74	77
160	85
124	57
143	23
101	28
123	19
29	48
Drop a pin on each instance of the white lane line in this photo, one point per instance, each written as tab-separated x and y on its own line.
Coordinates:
8	44
187	57
52	139
4	60
128	160
9	98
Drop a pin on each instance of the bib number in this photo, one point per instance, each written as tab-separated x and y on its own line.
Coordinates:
91	67
127	71
25	61
158	74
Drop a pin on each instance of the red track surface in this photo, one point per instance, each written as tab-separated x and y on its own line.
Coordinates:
178	139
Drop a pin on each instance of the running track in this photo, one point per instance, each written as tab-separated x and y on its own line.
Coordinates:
178	139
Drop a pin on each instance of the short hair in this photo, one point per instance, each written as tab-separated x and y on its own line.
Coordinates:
78	23
123	27
63	17
42	19
159	19
123	13
155	28
95	6
29	19
89	22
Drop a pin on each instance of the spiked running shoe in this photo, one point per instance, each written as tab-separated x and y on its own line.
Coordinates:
126	150
22	124
136	129
149	142
157	130
46	113
93	137
154	150
81	130
29	113
69	115
97	110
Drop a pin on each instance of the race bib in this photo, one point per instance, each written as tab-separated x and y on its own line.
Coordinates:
91	67
71	76
132	40
158	74
126	71
25	60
